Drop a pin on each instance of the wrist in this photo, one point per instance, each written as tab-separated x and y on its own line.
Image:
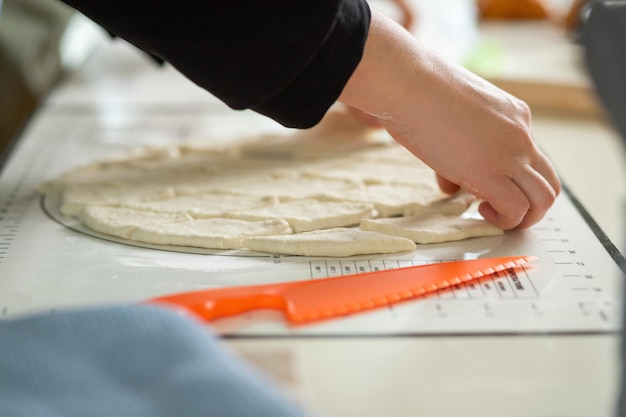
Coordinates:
389	70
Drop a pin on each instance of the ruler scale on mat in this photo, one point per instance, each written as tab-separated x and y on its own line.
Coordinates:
308	301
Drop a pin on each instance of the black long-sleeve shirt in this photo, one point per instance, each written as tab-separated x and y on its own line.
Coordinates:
288	60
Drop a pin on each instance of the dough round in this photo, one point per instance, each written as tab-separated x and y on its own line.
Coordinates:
304	193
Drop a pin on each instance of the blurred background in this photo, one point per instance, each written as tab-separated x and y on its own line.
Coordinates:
40	40
527	47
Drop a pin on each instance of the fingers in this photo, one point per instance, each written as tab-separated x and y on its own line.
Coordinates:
504	204
521	200
513	202
547	170
541	189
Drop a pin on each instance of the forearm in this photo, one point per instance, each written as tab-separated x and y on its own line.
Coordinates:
400	79
381	78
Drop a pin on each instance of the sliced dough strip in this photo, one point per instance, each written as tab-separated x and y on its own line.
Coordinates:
338	242
389	199
455	204
205	205
310	214
213	233
432	228
120	221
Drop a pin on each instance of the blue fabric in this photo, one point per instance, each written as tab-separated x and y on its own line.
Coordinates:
127	361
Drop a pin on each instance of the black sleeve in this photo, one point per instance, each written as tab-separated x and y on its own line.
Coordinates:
285	59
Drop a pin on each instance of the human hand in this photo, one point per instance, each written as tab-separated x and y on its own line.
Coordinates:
407	19
474	135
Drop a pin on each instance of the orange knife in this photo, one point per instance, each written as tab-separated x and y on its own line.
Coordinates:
320	299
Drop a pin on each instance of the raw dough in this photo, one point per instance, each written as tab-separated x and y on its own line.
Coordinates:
290	187
432	228
373	172
337	242
390	199
205	205
213	233
120	221
78	196
313	183
306	215
456	204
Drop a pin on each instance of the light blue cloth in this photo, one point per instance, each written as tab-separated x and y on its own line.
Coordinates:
138	361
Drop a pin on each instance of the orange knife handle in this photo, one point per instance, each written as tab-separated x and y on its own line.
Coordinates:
222	302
